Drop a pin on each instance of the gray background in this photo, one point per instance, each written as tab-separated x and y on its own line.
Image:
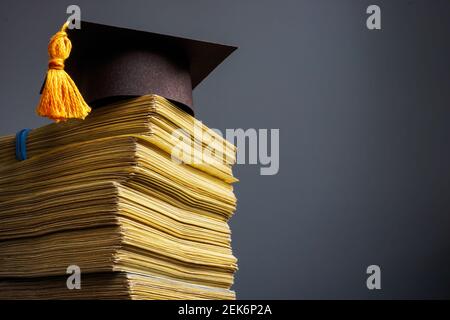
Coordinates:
364	124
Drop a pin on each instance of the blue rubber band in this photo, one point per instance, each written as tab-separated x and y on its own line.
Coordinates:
21	144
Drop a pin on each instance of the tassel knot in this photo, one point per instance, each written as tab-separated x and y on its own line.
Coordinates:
56	64
61	99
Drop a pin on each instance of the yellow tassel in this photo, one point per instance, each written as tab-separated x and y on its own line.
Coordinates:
60	97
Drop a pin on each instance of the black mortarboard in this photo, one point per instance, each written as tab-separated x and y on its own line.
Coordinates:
110	63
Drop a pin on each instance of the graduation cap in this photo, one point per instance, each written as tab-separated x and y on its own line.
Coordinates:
108	63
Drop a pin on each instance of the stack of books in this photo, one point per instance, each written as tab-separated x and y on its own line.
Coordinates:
108	196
